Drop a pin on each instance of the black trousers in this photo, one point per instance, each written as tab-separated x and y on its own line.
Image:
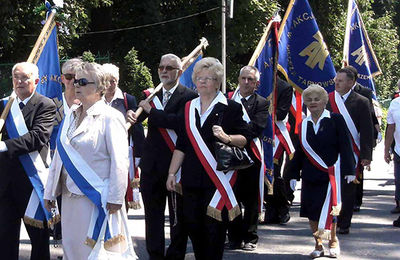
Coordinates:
360	187
207	234
244	227
277	205
13	203
348	199
154	195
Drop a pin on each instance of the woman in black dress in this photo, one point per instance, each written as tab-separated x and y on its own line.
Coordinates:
208	199
324	157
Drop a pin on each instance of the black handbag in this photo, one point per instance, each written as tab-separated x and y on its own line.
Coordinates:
230	157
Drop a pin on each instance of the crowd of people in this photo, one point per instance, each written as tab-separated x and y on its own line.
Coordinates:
101	146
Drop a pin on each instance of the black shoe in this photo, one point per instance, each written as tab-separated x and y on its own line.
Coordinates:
344	231
396	223
285	219
233	245
356	209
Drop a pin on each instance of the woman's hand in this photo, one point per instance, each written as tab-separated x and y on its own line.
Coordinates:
112	208
171	182
49	204
220	134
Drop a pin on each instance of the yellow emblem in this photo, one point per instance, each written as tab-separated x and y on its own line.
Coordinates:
316	51
360	53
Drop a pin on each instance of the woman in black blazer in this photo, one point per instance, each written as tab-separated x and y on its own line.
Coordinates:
325	158
208	202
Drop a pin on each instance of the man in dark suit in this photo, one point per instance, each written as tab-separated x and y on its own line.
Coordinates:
156	157
15	186
244	228
356	105
365	92
277	205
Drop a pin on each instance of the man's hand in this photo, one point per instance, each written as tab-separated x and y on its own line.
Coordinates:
293	183
387	157
131	117
112	208
145	105
365	162
350	178
171	182
49	204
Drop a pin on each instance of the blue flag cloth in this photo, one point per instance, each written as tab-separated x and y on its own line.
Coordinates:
265	63
50	78
304	58
186	77
358	50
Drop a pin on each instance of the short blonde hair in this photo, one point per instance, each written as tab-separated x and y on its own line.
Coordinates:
211	64
97	72
111	71
317	89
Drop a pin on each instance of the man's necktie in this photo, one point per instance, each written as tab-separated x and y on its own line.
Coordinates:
166	97
244	101
21	105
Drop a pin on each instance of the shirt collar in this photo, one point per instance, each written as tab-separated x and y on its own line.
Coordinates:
117	95
26	100
171	90
324	114
220	98
95	109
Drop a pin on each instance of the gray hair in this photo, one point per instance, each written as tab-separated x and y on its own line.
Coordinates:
250	68
317	89
111	71
70	65
29	68
211	64
173	57
97	72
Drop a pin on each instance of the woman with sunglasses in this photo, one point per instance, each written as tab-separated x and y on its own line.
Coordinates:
68	78
209	118
90	168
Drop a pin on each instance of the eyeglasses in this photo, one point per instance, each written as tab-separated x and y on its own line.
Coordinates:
82	82
22	78
206	79
69	76
248	79
167	68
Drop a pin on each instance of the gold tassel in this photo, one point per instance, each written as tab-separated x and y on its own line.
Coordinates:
135	183
90	242
323	234
178	188
113	241
33	222
336	210
291	156
234	212
134	205
214	213
54	220
269	185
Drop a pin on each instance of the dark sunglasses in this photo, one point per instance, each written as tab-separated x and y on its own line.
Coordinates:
167	68
82	82
69	76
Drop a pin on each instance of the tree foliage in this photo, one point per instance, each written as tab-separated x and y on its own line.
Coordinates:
157	27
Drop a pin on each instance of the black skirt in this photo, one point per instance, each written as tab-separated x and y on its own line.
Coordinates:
313	196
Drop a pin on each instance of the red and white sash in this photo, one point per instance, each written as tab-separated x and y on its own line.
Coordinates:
257	149
333	202
339	107
223	196
282	140
168	135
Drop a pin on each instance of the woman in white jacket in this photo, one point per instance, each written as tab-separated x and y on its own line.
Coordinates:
89	168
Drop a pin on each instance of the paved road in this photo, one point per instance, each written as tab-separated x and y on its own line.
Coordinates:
372	235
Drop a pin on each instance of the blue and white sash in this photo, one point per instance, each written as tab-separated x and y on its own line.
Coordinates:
87	181
34	167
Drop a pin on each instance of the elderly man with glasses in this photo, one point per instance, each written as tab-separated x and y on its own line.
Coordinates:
163	115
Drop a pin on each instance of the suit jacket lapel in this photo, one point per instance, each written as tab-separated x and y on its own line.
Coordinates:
214	116
30	106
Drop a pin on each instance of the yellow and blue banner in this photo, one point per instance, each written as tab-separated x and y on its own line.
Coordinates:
304	58
358	50
48	62
264	58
